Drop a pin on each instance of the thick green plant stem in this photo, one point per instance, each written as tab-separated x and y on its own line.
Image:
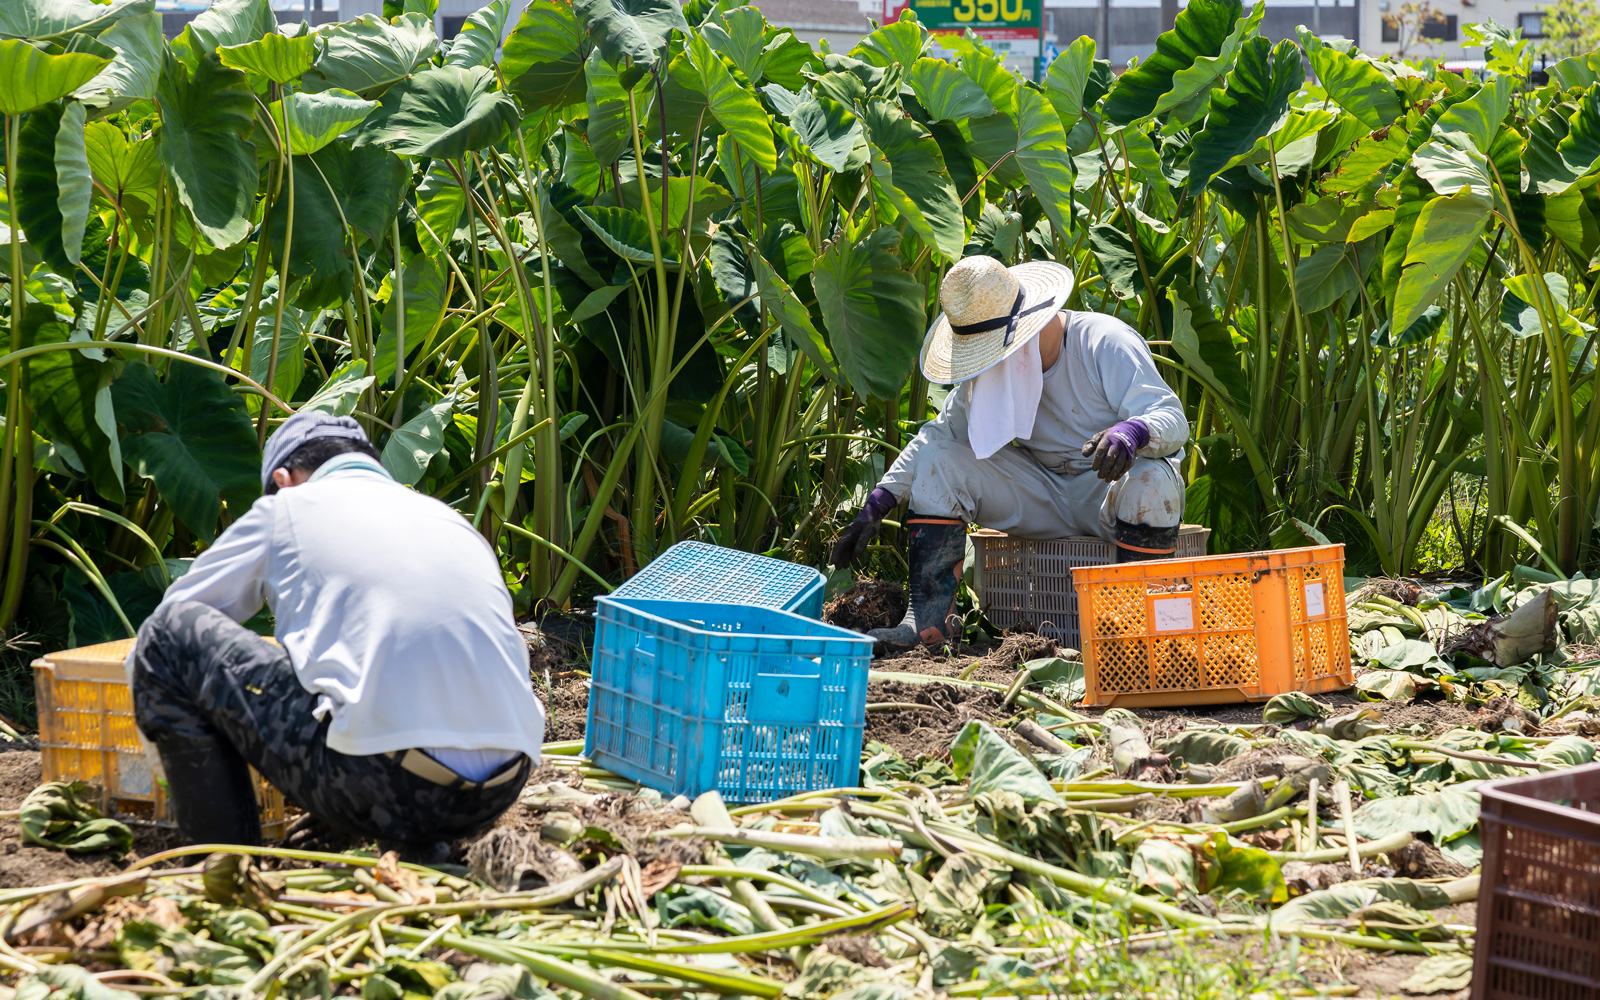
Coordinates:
662	339
398	413
16	454
283	276
547	520
1083	884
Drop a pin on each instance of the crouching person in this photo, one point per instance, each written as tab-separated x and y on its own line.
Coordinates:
398	706
1058	425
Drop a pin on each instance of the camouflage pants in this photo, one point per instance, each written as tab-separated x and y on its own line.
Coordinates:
200	676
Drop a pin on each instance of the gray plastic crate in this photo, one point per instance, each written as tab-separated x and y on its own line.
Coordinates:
1027	583
695	571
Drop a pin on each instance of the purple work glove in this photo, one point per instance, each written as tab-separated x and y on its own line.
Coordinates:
1115	448
858	534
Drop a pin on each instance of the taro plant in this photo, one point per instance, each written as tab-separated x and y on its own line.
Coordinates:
624	272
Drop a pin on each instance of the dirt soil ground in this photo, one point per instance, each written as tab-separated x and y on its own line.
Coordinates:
916	719
24	865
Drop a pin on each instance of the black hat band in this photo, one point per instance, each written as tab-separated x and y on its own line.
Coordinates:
1008	321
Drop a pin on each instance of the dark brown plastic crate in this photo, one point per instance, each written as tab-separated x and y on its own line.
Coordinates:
1539	900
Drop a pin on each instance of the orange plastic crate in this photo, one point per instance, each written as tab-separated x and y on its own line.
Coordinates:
87	733
1228	628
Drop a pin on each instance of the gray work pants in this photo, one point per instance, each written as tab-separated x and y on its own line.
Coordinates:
1012	492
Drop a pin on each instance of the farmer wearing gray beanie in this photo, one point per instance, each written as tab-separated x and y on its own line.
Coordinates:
396	703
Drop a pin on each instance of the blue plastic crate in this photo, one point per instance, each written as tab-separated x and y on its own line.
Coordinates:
695	571
756	703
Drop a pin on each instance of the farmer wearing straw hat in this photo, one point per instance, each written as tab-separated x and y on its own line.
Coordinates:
1058	424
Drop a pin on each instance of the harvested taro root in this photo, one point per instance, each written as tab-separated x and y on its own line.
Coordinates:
1248	801
1131	755
1503	714
1507	640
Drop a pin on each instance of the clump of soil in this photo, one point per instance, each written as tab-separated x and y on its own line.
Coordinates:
572	631
1164	728
1503	713
546	655
1420	859
1434	716
1262	762
974	659
558	646
516	853
1582	652
857	948
1393	587
1018	648
1166	809
1226	714
566	705
868	605
914	732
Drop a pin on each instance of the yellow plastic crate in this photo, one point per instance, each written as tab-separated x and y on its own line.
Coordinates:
87	733
1228	628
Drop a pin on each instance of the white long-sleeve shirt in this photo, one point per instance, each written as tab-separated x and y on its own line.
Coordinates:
1104	374
392	609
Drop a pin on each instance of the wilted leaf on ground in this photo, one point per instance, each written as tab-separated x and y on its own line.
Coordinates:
1290	706
1388	685
1199	746
1165	866
57	814
1340	901
1439	974
990	764
1444	814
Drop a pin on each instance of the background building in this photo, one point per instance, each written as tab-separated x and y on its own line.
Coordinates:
1432	28
1413	28
1134	24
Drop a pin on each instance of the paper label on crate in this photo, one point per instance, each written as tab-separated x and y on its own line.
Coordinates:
134	774
1173	614
1315	608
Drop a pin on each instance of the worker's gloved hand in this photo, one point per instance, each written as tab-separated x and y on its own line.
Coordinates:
1115	448
858	534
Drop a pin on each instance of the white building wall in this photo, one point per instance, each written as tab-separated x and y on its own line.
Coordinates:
349	9
1504	12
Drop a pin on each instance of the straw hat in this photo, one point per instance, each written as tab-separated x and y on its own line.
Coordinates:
990	312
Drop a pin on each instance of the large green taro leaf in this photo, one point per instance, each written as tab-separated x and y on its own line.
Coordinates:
207	116
874	312
443	113
542	59
193	437
1254	104
53	184
1200	30
71	404
30	79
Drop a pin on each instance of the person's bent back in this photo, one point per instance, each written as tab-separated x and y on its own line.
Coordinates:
398	705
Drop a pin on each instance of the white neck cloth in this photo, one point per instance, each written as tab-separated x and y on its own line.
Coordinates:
1005	400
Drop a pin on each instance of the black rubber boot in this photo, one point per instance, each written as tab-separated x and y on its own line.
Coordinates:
1140	542
938	547
212	796
418	852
